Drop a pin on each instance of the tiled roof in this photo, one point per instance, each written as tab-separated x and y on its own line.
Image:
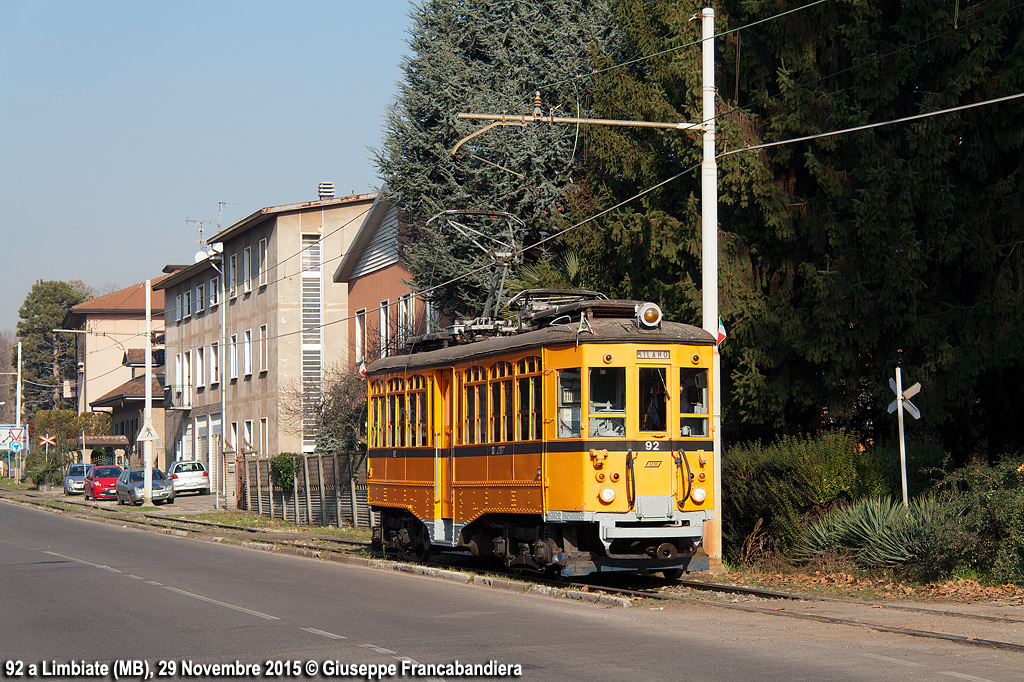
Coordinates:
134	389
136	357
129	299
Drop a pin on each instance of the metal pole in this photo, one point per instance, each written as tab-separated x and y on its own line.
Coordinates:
903	445
17	455
221	362
147	414
709	275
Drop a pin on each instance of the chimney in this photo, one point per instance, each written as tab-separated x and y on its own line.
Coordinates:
325	190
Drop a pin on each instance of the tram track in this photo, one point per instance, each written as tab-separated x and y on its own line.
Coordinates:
797	606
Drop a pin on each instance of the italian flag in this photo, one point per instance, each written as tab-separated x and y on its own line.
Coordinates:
721	332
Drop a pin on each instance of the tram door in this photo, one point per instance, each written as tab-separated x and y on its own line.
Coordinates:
654	466
445	448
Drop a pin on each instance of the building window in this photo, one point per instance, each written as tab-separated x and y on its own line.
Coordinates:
247	352
186	303
247	269
234	437
385	328
263	348
262	255
214	362
186	376
177	372
263	436
406	306
214	291
233	274
177	308
233	356
360	354
247	436
200	298
200	366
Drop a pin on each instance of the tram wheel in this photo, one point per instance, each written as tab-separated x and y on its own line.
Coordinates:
672	574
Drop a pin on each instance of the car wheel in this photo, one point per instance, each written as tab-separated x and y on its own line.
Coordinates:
170	501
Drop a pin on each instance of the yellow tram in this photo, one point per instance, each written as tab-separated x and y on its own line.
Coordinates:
577	440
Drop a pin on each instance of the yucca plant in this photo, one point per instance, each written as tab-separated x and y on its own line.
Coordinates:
876	530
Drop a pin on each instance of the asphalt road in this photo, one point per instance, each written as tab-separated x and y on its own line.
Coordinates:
77	590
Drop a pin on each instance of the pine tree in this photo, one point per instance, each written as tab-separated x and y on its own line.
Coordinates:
48	357
486	58
843	256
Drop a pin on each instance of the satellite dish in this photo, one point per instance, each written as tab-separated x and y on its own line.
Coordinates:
218	247
201	256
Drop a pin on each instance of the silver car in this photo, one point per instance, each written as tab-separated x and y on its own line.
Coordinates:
74	479
131	484
189	475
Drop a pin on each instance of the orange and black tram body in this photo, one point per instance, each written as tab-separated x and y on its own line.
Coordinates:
579	442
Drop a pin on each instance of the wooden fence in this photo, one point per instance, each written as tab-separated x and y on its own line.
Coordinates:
326	493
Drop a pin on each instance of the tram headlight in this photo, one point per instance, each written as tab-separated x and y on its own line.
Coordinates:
648	314
698	494
607	495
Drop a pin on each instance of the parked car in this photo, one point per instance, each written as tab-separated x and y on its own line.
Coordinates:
74	479
188	476
99	482
131	487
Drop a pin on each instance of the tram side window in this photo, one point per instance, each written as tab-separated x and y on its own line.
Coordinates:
607	402
475	425
653	393
693	400
569	403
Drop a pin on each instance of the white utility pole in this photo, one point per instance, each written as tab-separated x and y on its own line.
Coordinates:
148	435
18	422
709	275
709	238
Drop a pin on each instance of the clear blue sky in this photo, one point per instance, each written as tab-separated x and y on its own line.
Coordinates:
120	120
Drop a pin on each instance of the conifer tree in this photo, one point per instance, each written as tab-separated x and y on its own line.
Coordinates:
486	57
842	256
48	357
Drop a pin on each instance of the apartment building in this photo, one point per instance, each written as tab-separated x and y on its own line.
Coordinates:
108	326
250	330
127	404
386	311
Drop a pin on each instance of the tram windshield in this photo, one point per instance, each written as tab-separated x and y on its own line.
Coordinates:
693	400
607	402
653	393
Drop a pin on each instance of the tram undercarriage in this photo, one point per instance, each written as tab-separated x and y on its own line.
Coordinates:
570	548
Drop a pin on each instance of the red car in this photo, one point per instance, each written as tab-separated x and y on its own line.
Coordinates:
100	482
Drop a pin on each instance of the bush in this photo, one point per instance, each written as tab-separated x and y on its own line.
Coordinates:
284	467
768	490
45	469
983	523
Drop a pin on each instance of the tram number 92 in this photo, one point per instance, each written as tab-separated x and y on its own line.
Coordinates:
652	445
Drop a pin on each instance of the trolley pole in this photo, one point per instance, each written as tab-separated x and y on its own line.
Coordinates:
709	237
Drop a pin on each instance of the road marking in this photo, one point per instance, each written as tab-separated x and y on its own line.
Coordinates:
895	660
81	561
329	635
200	597
378	649
168	587
966	677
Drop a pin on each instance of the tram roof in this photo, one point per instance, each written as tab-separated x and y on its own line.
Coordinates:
608	330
